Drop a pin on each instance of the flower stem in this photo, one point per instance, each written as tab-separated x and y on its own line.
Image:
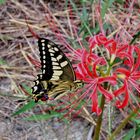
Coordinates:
122	125
99	121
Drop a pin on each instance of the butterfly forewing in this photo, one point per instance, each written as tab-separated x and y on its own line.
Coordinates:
55	65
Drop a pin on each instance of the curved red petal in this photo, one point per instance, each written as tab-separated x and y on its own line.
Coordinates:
97	40
111	46
120	104
123	71
120	90
94	66
95	107
110	79
108	96
123	55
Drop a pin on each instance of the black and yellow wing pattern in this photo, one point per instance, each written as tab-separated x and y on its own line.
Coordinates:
57	75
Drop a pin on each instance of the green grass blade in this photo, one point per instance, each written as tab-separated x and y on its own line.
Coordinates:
44	116
137	35
2	1
2	62
47	116
129	135
83	21
26	107
105	5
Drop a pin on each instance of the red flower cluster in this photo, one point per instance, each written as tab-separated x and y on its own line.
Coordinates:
115	74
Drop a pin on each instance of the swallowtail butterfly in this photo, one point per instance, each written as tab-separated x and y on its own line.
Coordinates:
57	77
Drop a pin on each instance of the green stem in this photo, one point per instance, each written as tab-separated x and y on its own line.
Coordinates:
99	121
122	125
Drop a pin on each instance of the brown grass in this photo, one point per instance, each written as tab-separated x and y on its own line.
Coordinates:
17	43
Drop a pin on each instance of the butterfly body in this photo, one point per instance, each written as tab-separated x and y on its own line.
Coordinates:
57	76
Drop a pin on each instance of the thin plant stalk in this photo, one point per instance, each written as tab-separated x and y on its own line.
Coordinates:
99	121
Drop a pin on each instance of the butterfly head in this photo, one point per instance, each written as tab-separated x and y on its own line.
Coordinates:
41	96
79	83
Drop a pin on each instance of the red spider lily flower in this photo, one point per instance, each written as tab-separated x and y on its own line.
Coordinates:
95	84
130	76
87	71
103	75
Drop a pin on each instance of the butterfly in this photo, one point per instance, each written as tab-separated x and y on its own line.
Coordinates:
57	77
